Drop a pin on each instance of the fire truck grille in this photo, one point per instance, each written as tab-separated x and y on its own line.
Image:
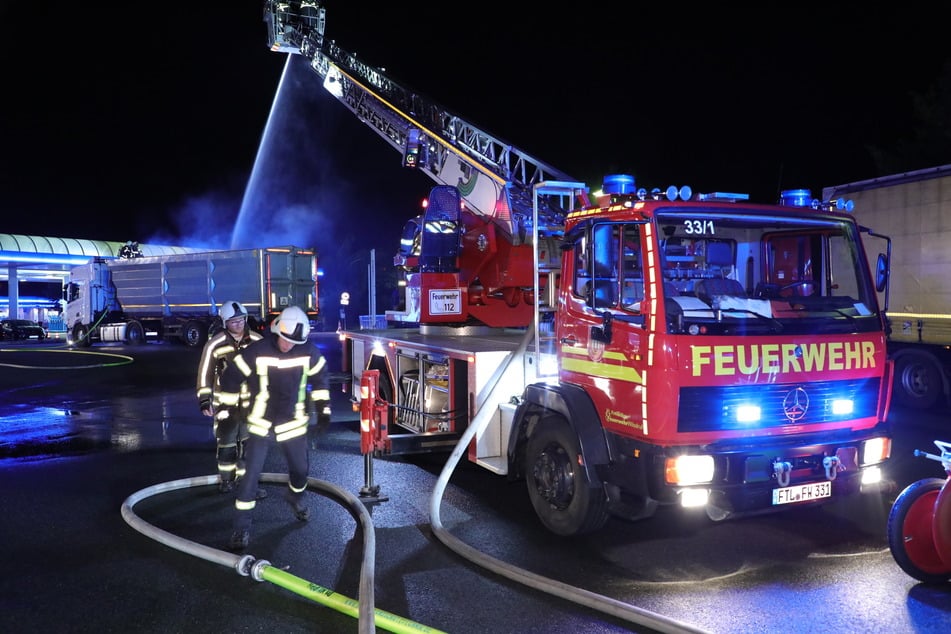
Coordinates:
722	408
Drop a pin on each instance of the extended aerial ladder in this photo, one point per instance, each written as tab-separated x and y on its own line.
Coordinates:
494	178
508	259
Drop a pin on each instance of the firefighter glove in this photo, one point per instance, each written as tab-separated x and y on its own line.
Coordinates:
206	407
323	417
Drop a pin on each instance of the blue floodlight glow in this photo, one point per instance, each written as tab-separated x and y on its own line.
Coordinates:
748	414
621	184
842	406
32	302
45	258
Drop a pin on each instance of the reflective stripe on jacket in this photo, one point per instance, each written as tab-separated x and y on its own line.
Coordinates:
278	384
215	357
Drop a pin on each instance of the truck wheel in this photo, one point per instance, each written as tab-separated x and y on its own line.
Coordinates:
917	382
565	500
134	333
194	334
81	336
910	532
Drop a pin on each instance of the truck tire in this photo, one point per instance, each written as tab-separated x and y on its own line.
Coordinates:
134	333
81	336
563	497
910	532
194	334
918	382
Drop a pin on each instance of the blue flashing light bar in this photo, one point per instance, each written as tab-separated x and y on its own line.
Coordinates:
618	184
723	197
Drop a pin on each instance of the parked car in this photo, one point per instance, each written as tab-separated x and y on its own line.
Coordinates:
17	329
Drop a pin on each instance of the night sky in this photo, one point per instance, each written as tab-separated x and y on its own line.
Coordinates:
145	121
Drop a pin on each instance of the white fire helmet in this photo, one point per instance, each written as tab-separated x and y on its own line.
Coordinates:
292	325
230	310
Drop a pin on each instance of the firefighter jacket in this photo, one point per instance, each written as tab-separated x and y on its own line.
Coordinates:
215	357
285	387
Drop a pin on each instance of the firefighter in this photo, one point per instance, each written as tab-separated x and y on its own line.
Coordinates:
230	426
287	381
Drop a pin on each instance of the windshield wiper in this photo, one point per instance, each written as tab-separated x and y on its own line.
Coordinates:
778	325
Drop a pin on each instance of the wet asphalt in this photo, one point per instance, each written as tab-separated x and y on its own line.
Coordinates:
83	432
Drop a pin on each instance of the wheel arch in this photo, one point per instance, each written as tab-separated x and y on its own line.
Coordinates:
570	403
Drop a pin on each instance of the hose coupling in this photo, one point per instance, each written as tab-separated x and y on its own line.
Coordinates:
257	570
243	567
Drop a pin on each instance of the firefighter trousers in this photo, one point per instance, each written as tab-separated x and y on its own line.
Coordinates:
298	469
231	433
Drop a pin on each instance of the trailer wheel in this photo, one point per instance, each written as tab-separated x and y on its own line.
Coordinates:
194	334
134	333
917	382
81	336
911	532
564	498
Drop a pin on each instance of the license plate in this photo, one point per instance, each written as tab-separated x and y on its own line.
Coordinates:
802	493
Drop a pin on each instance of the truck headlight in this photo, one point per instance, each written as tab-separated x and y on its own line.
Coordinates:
684	470
876	450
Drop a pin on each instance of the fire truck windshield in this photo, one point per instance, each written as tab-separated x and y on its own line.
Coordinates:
730	270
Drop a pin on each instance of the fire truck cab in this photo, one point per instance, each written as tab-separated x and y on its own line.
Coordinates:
704	351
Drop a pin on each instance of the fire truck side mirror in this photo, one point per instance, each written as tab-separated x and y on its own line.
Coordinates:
881	272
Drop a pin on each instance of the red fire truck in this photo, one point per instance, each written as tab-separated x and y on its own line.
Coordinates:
617	350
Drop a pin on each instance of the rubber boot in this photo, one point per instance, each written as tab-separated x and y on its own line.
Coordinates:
241	535
226	482
301	512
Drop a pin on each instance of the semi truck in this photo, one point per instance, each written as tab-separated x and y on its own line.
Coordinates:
617	350
176	297
914	209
